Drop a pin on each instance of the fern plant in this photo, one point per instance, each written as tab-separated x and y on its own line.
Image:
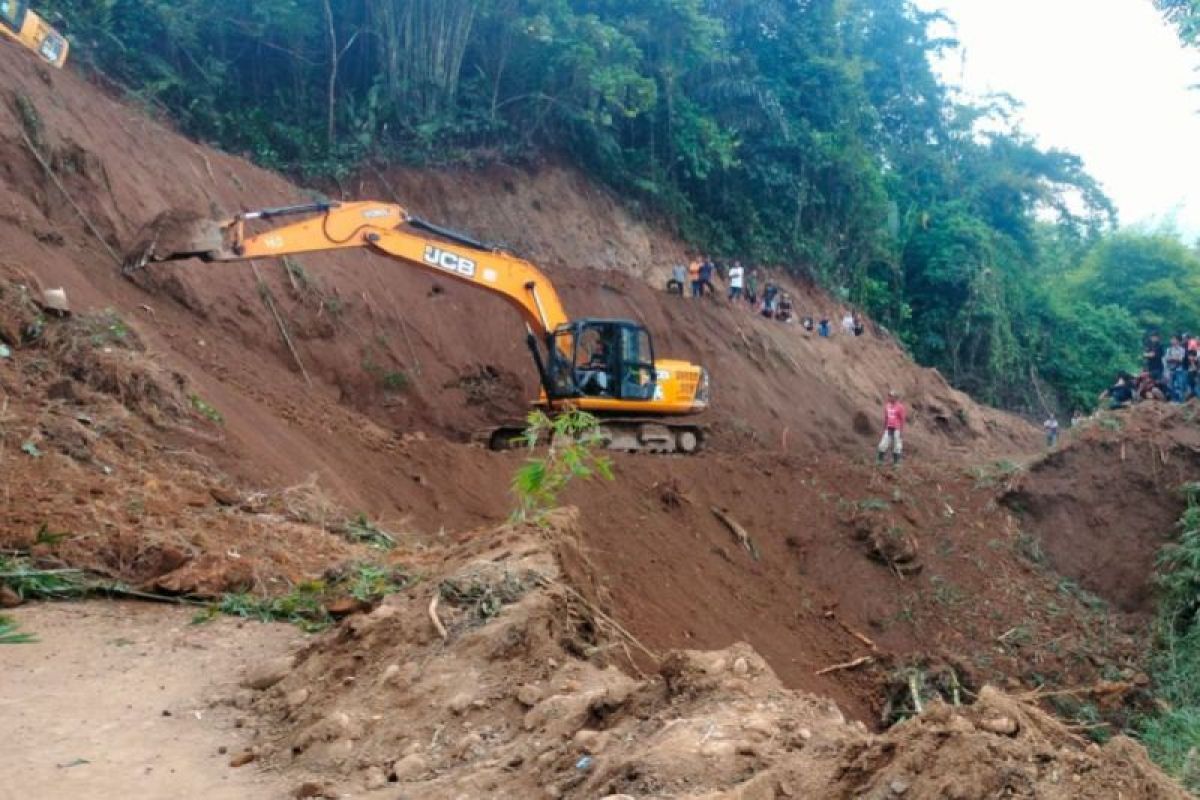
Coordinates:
572	438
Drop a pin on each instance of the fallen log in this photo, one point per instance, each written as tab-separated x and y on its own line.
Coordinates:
738	532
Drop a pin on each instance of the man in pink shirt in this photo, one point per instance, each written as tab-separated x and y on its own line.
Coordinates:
894	418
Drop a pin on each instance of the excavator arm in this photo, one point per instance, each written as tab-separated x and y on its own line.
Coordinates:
633	391
378	227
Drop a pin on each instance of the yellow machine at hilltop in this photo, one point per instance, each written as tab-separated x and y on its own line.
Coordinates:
20	24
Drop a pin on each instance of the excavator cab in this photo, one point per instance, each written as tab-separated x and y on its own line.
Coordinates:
12	14
602	358
19	23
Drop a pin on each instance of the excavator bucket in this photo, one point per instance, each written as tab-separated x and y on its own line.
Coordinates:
175	236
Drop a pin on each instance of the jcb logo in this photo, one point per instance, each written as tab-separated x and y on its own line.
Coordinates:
443	259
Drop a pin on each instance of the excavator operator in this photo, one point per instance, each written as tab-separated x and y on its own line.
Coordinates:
592	377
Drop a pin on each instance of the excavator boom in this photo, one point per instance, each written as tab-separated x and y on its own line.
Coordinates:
599	365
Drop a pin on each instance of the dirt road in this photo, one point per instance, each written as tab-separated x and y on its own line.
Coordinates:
113	701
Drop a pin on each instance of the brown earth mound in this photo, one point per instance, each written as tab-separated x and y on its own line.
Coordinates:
1104	504
506	689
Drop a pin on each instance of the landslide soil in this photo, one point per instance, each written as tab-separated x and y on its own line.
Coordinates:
515	695
190	453
1103	506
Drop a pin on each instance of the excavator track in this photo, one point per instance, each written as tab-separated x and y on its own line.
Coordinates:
623	434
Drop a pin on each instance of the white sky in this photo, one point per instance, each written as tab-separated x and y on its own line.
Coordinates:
1105	79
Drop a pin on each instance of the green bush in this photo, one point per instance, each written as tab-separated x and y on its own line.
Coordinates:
1173	735
571	438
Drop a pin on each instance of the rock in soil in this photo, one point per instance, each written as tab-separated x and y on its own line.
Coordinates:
267	674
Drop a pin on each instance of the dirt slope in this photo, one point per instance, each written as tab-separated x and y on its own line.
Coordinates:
1104	504
356	319
405	367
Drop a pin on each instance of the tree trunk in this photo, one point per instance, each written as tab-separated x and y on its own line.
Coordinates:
331	124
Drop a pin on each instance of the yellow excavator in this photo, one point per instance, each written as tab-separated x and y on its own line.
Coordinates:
20	24
603	366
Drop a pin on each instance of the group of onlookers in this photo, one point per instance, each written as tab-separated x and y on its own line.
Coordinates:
1170	371
767	297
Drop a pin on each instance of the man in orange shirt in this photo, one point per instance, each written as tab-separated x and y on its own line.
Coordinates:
694	277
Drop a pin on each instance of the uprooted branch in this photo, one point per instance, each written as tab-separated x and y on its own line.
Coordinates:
855	664
738	532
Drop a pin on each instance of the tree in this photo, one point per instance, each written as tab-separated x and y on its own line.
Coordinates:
1185	15
1155	277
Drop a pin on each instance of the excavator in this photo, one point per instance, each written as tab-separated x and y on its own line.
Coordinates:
606	367
21	25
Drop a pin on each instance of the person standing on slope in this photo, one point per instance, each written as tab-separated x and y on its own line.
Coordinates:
737	278
707	268
894	418
1050	426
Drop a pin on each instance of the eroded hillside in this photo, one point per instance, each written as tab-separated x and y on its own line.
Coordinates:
212	429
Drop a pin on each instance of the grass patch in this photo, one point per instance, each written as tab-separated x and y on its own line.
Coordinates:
303	606
395	381
31	583
205	409
392	380
364	531
946	593
1073	589
10	635
307	604
991	475
874	504
106	329
1029	546
334	306
296	274
47	537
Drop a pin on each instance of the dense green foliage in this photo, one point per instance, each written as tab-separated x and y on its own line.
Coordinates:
807	134
1185	14
1173	736
1154	277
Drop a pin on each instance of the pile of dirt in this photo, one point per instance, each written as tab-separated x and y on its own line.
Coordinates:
1103	505
96	441
508	689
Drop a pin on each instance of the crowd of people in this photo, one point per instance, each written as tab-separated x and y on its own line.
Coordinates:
749	288
769	299
1170	372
